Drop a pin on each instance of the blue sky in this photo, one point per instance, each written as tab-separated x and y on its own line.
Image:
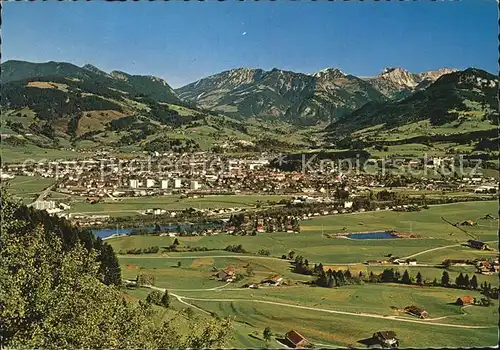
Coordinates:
184	41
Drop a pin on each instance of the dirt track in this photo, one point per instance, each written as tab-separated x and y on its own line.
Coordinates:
182	299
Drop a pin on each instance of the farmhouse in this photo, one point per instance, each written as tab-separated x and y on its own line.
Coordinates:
416	311
226	275
411	261
387	339
297	339
484	267
468	223
477	244
273	280
467	300
455	262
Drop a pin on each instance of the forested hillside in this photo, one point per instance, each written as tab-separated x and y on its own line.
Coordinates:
59	289
454	101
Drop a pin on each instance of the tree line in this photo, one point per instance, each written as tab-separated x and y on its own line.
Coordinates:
150	250
331	278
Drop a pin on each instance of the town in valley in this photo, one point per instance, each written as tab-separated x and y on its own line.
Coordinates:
193	201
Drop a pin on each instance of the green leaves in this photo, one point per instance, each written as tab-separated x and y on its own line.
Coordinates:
54	297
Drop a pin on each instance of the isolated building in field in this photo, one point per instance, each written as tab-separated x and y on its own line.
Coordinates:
477	244
468	223
273	280
226	275
466	300
296	339
387	339
416	311
411	261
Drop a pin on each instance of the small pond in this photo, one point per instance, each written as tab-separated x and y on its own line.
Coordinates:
372	235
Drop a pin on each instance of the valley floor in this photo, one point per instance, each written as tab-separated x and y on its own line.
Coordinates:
331	317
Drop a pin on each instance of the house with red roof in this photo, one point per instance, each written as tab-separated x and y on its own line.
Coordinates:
296	339
275	280
466	300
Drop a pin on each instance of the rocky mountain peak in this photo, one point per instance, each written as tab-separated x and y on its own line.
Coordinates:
93	69
244	75
435	74
330	73
119	75
399	76
388	70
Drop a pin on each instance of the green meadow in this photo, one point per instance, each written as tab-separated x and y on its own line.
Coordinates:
333	330
130	206
331	317
313	243
346	315
27	188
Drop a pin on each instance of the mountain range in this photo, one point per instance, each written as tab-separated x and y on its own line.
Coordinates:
299	98
62	102
150	86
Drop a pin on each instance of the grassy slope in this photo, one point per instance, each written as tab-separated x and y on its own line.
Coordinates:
341	330
27	188
325	328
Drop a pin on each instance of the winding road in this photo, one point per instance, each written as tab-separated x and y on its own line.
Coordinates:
438	248
182	299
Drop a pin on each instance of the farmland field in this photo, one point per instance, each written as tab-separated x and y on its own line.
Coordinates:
34	153
331	317
314	245
27	188
130	206
346	315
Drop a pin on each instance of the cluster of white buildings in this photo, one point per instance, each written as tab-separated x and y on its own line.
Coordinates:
163	184
50	206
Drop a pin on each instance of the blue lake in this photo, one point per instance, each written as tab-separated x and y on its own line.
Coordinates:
106	232
372	235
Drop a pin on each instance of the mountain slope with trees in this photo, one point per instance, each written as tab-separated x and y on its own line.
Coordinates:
454	101
292	97
52	294
56	103
60	105
133	85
